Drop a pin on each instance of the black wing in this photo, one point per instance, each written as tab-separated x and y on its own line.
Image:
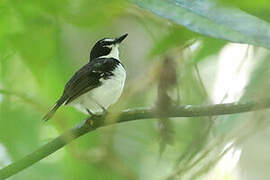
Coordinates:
84	80
88	77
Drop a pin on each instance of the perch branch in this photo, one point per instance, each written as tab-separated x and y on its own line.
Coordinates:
125	116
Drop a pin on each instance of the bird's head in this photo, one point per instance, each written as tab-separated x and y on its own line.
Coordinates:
107	47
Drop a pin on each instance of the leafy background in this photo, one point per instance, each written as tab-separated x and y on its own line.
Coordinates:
42	43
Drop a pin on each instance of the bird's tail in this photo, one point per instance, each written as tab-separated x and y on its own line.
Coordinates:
50	114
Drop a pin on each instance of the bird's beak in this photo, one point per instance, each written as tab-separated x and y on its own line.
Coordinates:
120	39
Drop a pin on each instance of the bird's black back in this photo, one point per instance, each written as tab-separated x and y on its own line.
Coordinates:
89	77
84	80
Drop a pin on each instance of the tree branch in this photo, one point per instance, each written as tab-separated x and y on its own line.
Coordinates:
125	116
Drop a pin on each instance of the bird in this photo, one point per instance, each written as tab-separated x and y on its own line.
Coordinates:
98	84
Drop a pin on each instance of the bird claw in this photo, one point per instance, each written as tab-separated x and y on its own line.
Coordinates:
89	112
104	112
90	122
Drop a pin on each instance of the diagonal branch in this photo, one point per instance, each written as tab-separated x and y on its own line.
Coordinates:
125	116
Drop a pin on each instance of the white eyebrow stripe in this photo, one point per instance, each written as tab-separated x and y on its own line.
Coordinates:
108	40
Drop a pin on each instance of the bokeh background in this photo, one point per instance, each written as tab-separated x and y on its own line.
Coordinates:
42	43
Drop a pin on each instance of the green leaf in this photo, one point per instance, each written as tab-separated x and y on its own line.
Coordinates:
259	4
207	18
209	47
37	45
259	8
89	13
177	37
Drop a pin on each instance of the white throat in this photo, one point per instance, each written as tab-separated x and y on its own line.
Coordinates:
113	54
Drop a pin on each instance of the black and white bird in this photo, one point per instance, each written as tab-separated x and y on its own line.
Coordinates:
98	84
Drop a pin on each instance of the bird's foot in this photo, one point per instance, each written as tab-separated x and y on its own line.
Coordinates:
89	112
90	122
104	112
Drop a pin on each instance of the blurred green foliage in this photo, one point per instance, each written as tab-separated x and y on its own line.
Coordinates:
42	43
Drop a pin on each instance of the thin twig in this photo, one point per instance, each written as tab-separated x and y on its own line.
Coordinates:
126	116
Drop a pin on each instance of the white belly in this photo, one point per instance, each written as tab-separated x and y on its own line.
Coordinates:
105	95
